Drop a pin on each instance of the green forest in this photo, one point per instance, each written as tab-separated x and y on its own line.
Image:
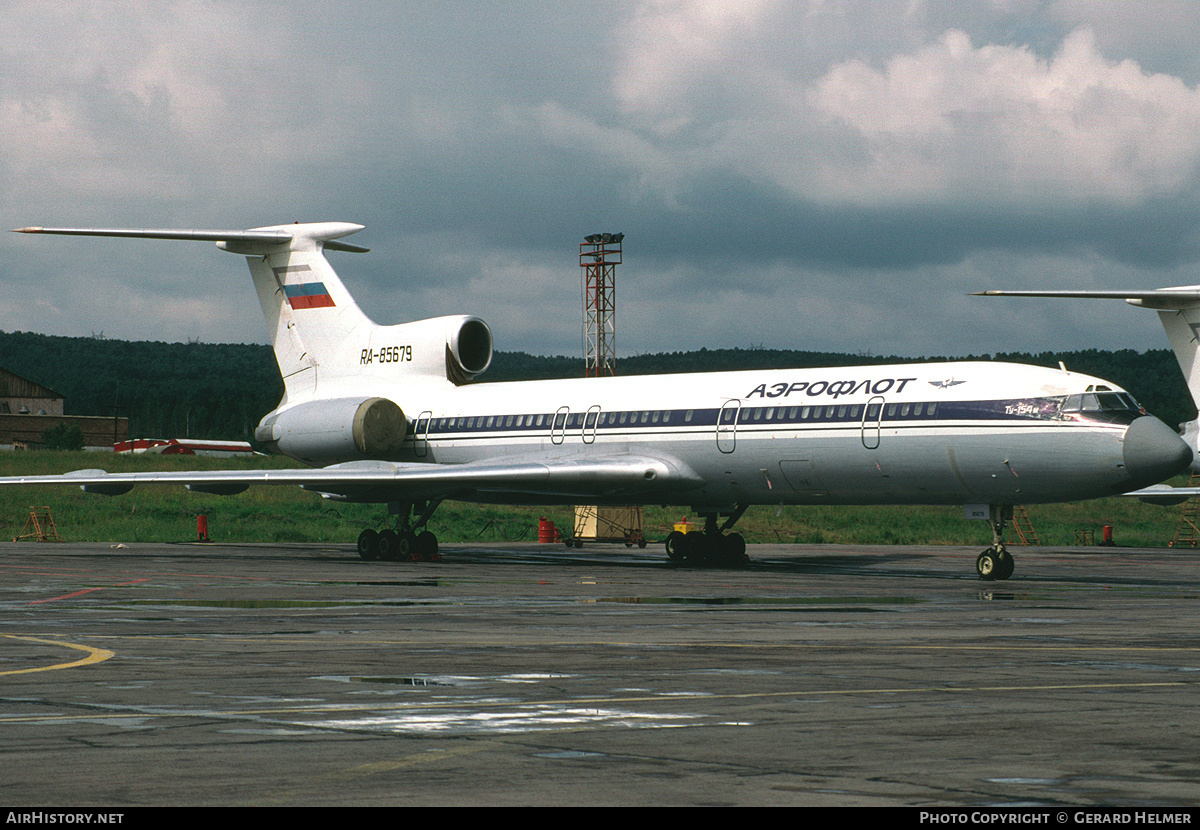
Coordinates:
208	390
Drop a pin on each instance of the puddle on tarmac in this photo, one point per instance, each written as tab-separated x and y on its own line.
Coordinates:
510	719
443	679
796	603
763	601
398	681
275	603
1043	782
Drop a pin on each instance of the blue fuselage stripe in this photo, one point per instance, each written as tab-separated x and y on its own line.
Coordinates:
758	418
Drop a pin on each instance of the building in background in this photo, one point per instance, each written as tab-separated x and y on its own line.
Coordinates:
28	410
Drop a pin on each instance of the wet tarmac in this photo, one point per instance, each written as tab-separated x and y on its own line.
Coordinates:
532	674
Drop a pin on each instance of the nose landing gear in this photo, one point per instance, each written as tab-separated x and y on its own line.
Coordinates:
996	563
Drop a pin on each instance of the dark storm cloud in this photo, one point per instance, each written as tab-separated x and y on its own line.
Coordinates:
859	161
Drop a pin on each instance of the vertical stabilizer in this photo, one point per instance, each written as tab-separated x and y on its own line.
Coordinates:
1182	325
308	311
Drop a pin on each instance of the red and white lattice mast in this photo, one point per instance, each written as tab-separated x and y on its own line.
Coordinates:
599	256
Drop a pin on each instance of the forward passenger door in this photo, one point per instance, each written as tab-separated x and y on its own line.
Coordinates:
872	418
727	420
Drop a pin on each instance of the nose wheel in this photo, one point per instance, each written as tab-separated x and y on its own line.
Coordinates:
996	562
993	564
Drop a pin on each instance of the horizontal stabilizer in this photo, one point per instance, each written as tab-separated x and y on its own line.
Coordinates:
325	232
272	236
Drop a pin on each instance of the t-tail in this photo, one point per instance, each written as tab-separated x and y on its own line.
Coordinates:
1179	310
333	358
323	341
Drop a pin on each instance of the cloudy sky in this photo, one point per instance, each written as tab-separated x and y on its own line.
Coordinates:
829	175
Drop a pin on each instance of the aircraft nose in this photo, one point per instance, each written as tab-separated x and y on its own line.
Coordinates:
1153	452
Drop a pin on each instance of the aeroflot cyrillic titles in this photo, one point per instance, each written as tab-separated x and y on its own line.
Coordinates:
834	388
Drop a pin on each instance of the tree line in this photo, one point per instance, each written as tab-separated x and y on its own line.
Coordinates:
212	390
194	390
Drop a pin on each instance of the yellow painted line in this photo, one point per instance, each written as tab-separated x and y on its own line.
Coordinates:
94	655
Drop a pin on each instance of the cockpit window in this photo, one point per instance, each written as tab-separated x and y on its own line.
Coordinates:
1100	402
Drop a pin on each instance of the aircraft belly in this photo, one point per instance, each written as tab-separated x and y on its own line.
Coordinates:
904	473
1019	465
1028	466
955	466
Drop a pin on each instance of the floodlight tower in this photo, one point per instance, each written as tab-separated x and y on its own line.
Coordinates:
599	256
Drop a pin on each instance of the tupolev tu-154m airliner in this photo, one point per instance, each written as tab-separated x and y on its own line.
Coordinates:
389	414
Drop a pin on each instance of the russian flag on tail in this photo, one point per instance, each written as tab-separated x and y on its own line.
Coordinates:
308	295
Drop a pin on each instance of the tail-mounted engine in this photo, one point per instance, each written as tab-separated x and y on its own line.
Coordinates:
468	350
342	429
457	348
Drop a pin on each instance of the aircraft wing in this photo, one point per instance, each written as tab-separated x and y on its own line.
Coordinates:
1164	494
554	478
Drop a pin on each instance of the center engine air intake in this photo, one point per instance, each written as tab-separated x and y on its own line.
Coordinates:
336	430
468	350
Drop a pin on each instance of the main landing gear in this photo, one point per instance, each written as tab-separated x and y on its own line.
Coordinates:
996	562
410	542
712	546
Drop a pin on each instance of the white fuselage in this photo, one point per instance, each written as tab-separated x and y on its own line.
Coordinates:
944	433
